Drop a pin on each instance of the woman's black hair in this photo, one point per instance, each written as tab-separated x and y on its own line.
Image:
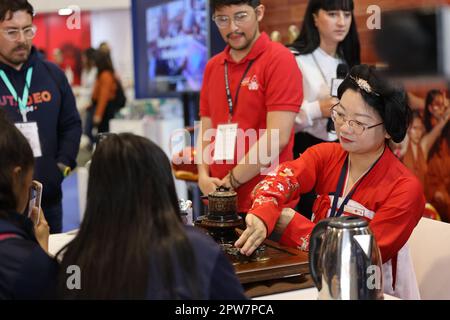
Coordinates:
103	62
309	38
388	100
90	54
416	114
132	234
431	95
15	151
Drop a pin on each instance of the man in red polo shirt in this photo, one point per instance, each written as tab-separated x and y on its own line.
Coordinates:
250	96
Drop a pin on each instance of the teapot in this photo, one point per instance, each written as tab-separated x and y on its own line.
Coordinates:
222	205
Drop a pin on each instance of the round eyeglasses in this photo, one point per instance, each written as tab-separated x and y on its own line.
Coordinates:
239	19
339	119
13	34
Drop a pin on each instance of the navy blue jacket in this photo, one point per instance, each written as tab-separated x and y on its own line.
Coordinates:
26	271
57	117
217	278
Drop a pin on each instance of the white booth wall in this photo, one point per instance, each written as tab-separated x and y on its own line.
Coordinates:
110	22
55	5
114	27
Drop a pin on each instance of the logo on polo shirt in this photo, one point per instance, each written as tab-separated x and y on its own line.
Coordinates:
251	83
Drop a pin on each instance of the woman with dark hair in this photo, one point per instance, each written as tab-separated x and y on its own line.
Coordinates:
107	97
328	38
132	243
83	93
26	271
358	176
438	176
89	70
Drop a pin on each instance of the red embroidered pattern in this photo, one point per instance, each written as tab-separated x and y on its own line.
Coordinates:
278	187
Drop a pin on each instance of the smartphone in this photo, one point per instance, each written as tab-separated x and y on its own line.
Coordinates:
35	198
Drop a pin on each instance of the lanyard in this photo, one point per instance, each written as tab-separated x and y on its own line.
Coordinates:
320	69
21	102
227	88
340	186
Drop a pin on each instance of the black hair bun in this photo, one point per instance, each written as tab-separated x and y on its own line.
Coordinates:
397	115
389	100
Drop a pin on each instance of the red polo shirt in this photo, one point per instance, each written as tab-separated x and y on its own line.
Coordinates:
273	83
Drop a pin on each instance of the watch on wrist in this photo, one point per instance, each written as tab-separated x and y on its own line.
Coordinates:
66	171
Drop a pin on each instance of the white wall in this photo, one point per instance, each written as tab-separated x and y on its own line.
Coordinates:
114	27
55	5
110	22
446	40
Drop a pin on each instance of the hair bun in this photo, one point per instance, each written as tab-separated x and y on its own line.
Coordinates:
388	99
397	114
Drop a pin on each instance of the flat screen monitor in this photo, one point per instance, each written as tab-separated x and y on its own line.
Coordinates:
415	43
170	40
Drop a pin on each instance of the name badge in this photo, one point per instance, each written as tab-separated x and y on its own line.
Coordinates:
225	142
30	131
354	210
335	83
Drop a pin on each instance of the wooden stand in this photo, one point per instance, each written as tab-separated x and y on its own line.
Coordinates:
285	269
271	269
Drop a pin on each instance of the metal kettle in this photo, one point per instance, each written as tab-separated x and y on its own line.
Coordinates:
345	261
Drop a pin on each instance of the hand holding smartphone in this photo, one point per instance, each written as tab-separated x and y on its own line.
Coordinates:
35	200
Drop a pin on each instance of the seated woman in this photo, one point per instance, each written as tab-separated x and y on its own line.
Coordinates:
132	243
26	271
357	176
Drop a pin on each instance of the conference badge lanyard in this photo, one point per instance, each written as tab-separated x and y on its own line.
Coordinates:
226	134
335	82
340	186
28	129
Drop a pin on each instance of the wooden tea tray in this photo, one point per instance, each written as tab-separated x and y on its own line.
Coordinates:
281	269
286	269
282	263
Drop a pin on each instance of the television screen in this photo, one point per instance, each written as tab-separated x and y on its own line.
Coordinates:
412	42
170	45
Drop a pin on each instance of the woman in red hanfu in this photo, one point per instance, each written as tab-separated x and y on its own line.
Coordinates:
358	176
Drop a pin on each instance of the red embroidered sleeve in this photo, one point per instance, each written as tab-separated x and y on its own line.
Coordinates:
275	192
297	233
282	188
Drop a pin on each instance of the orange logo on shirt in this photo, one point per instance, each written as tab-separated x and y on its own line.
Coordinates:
33	99
39	97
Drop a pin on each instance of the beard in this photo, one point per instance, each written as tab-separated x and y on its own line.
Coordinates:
248	42
14	57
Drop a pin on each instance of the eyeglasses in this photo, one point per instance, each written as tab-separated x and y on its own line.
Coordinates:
239	19
14	34
357	127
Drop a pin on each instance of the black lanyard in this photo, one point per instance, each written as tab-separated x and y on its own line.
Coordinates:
228	91
340	186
